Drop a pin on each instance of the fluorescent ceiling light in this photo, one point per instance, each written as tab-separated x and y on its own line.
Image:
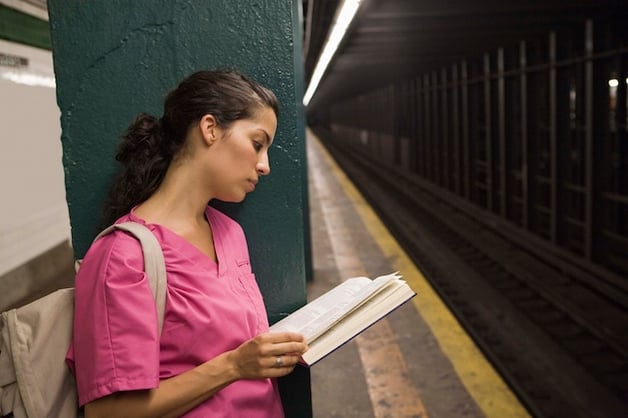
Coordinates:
29	79
343	20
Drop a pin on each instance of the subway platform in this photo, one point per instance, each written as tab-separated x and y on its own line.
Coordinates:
418	361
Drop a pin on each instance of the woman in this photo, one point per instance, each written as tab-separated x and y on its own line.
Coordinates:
215	357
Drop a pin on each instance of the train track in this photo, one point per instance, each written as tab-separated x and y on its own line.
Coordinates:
560	341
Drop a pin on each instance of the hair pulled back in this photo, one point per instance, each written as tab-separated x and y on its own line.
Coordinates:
149	144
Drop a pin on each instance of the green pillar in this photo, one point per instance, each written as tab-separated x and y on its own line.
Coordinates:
114	59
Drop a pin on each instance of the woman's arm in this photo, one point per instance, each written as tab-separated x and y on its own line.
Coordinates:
254	359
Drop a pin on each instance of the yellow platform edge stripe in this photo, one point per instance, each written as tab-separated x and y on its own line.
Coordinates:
485	386
378	345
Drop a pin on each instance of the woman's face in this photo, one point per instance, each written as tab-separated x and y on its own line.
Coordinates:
240	156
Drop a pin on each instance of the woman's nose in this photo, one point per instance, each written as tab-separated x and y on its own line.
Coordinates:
263	165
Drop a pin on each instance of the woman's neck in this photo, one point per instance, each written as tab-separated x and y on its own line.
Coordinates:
179	199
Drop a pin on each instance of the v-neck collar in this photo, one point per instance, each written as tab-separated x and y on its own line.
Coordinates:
184	247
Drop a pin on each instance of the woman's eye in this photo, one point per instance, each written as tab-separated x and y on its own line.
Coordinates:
258	146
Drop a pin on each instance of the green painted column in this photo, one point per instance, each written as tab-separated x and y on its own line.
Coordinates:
114	59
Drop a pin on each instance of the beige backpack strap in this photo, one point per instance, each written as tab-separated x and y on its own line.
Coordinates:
154	263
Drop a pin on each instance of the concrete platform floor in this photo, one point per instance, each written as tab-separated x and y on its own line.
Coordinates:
397	368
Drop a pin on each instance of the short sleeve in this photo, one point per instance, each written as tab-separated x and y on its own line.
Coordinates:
116	343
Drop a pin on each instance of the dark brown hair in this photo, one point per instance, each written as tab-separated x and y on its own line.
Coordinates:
149	144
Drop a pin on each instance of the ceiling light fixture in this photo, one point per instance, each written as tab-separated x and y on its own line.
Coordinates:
343	20
29	79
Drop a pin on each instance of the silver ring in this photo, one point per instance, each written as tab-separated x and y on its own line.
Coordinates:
278	361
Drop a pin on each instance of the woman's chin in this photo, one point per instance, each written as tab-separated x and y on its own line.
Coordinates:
233	198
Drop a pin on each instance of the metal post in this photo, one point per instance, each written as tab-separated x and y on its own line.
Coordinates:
455	126
435	131
487	133
553	140
466	171
588	146
525	181
501	132
444	137
428	129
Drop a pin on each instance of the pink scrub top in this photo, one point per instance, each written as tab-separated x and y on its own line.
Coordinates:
210	308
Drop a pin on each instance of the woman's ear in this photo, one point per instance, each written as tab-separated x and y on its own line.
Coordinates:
208	128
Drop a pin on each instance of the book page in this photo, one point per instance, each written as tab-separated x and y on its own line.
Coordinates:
320	314
358	320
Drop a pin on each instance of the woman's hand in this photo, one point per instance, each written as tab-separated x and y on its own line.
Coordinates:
268	355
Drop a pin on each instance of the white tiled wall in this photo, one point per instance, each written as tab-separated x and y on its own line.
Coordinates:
33	210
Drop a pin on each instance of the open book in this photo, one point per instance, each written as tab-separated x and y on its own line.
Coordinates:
337	316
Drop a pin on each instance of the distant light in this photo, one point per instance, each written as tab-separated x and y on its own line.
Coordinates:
29	79
347	12
613	82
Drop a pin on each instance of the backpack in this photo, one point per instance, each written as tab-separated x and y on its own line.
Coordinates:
35	381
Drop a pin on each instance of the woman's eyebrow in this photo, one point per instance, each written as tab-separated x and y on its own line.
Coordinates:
266	136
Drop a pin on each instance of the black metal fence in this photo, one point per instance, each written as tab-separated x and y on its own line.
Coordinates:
536	133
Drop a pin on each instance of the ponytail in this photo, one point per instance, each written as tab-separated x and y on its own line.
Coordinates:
145	157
